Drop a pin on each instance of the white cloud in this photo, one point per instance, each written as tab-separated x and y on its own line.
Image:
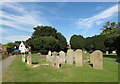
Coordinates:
15	38
88	22
20	22
99	22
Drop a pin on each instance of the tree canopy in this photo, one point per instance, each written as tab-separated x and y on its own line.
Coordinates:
46	38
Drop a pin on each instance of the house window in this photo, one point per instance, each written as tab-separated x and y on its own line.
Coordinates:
21	46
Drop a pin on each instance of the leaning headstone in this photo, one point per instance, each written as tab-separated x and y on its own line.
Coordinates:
70	54
49	53
78	57
107	52
98	60
62	57
48	58
23	58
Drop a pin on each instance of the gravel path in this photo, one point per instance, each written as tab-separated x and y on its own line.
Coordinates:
5	63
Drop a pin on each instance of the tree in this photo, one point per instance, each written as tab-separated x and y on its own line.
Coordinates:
46	38
98	42
77	42
89	44
111	29
10	47
117	47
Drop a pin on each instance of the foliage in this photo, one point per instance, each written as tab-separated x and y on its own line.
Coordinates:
111	29
10	47
77	42
117	46
46	38
95	43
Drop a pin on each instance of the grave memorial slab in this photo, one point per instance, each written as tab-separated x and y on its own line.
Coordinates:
78	57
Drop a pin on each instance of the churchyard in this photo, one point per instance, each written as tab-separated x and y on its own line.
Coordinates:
72	66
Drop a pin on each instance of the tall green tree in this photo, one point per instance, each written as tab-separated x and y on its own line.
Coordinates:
77	42
46	38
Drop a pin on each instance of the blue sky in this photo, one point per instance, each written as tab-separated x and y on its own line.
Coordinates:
69	18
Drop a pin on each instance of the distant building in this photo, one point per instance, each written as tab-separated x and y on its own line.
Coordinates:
22	47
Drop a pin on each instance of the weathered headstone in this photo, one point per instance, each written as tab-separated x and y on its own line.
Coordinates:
98	60
107	52
23	58
70	54
51	60
54	54
114	52
48	58
28	58
56	62
78	57
62	57
49	53
91	58
54	59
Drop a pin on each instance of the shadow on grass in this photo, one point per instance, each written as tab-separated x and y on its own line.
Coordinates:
110	56
35	62
91	65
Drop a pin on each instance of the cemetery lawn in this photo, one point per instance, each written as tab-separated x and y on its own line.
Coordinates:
20	72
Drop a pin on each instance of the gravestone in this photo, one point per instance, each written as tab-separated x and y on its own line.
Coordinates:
114	52
98	60
91	58
48	58
57	62
78	57
28	58
62	57
107	52
49	53
51	60
70	54
54	59
23	58
54	54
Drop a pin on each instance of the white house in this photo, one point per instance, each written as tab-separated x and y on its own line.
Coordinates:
22	47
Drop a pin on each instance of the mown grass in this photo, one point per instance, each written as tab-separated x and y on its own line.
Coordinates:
20	72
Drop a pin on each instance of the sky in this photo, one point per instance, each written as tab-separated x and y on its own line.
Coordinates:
17	19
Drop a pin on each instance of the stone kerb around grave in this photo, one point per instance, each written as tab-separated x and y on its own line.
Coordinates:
70	54
78	57
98	60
